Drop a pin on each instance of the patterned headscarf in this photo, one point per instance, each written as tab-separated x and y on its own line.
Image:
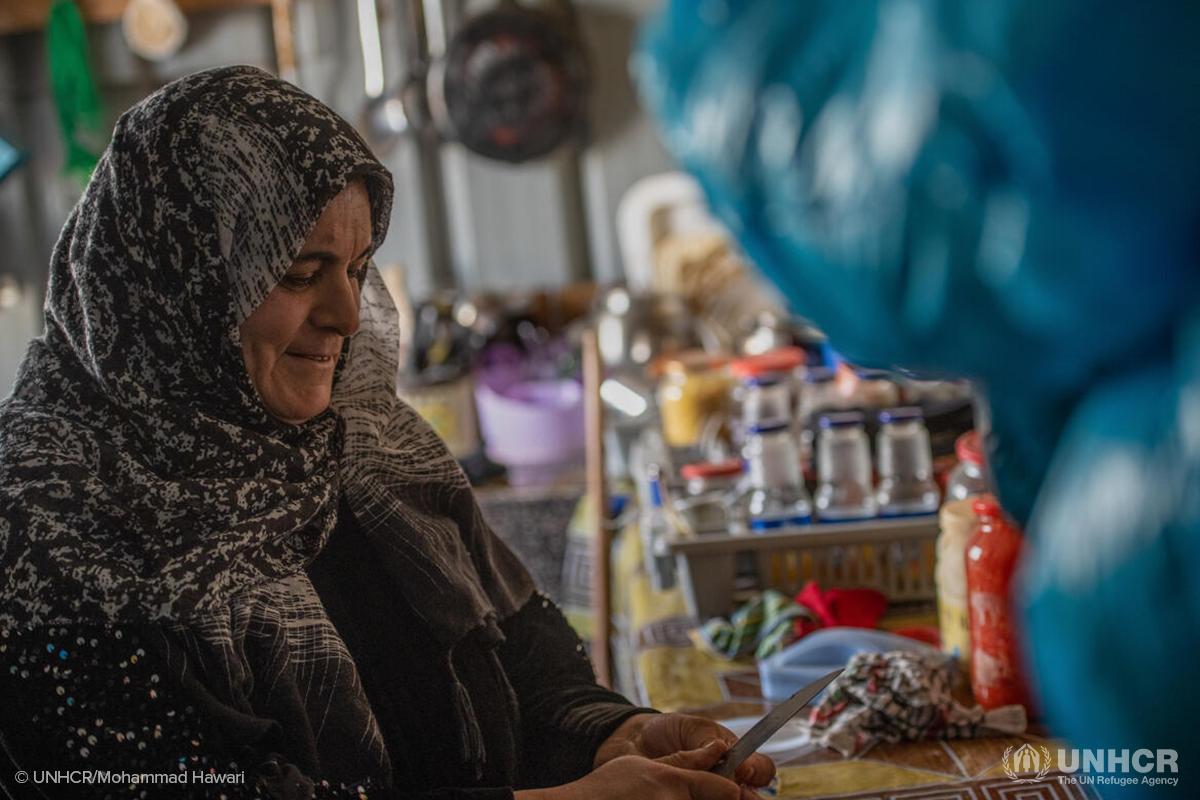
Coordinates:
141	477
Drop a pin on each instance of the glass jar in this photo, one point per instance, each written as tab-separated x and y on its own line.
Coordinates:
844	488
776	498
693	388
906	484
711	489
819	394
875	389
968	477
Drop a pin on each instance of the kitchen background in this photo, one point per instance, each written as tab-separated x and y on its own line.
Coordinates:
544	223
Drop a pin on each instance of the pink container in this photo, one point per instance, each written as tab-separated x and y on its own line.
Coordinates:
530	425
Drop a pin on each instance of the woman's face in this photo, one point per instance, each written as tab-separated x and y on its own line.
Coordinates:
291	342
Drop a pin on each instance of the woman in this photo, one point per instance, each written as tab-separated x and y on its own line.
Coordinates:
227	550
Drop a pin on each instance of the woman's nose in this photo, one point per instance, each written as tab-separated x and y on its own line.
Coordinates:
337	307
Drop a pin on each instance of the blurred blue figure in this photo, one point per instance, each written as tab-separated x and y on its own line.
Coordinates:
1009	191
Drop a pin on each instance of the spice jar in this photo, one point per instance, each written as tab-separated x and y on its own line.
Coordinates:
992	554
693	388
770	383
711	488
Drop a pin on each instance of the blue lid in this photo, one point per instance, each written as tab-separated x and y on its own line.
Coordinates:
841	419
868	374
818	375
768	426
902	414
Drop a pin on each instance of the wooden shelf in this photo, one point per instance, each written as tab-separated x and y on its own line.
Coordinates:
30	15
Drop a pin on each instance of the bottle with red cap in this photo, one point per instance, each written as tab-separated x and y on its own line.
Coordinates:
711	490
992	554
968	478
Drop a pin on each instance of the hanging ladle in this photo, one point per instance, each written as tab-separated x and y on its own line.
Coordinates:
384	119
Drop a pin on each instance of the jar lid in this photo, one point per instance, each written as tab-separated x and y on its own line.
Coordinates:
969	448
763	381
713	469
691	361
868	374
781	359
986	505
902	414
841	419
768	426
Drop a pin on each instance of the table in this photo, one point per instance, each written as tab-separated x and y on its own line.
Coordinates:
659	666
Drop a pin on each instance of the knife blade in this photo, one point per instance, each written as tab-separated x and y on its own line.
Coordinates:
766	727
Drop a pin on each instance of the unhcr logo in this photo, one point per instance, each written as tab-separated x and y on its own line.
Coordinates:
1029	763
1027	760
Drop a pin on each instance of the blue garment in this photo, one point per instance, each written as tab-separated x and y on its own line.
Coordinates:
1006	191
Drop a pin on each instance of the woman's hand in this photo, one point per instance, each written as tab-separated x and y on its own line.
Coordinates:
658	735
678	776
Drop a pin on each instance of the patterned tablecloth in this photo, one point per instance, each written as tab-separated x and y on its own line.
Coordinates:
659	666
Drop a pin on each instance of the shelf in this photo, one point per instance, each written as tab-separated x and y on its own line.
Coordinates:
30	15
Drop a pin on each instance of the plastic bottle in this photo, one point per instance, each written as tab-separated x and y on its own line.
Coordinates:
968	478
906	484
844	490
655	528
957	523
991	560
776	498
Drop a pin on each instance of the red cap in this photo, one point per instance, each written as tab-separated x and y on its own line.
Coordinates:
986	505
712	469
969	447
781	359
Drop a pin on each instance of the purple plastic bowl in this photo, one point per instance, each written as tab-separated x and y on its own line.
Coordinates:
530	423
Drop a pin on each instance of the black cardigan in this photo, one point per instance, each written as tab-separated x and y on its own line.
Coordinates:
98	698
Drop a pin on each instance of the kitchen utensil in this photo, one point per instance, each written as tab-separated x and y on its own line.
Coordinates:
513	82
746	746
384	119
634	329
154	29
791	736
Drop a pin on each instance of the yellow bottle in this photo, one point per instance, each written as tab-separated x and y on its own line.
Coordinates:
957	522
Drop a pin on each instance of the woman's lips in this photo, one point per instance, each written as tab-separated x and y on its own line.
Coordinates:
314	357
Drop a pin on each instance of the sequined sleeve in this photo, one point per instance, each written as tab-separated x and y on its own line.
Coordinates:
87	712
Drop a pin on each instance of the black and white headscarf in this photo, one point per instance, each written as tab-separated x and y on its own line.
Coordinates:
141	478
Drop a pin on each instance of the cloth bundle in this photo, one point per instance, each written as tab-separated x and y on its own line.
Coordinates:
894	697
772	621
763	626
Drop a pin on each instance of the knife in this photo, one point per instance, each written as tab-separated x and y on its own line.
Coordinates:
766	727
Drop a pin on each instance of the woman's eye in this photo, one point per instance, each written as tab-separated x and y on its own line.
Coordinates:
300	281
359	274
